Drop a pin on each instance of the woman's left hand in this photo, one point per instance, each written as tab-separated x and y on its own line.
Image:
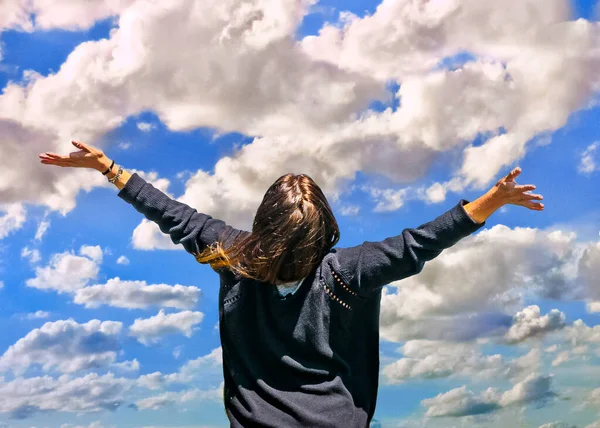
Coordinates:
87	157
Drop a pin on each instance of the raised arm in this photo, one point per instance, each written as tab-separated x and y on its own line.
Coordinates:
184	224
370	266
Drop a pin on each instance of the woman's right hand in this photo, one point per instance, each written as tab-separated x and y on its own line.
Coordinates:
507	191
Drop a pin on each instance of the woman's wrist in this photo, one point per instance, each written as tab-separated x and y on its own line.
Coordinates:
103	164
484	206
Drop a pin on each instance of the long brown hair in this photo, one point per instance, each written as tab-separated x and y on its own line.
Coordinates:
293	229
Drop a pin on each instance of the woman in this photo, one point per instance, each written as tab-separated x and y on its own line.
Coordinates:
299	319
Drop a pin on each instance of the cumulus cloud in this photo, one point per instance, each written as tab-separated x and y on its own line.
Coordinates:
462	402
70	273
207	369
581	334
429	359
136	70
530	323
93	252
461	295
67	272
127	366
151	330
137	294
22	398
63	14
170	397
435	359
418	37
65	346
13	218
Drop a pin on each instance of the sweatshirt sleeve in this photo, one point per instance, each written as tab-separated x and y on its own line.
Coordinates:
370	266
184	224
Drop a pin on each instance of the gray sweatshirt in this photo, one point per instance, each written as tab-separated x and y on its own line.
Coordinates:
308	358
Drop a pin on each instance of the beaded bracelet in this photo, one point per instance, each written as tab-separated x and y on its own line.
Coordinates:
116	177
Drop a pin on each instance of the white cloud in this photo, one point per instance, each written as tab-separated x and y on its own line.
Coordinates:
66	272
133	71
589	271
137	294
171	398
387	199
587	165
580	334
535	387
462	402
14	15
151	330
350	210
207	369
65	346
13	218
22	398
562	357
461	295
534	40
177	351
429	359
435	359
93	252
37	315
63	14
127	366
123	260
145	126
41	229
34	255
529	323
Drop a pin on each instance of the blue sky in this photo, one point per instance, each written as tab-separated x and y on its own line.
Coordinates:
97	228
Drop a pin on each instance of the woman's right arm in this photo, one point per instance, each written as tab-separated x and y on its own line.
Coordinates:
372	265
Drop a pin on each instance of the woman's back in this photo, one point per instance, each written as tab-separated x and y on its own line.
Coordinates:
302	359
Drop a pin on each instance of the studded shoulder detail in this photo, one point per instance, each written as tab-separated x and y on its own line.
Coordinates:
345	287
339	280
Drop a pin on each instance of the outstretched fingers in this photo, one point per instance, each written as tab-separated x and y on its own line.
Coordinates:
525	187
532	205
513	174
